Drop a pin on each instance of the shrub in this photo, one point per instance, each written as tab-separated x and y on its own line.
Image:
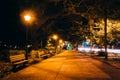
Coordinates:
5	68
101	53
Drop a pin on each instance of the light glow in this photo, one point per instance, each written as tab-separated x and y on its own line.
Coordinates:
82	49
27	17
55	37
60	41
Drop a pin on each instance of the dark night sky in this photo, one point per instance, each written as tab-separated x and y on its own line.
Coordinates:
9	21
11	27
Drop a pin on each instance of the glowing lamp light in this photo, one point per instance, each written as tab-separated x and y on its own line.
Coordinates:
55	37
27	17
60	41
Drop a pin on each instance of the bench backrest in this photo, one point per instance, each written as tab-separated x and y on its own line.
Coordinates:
15	58
17	52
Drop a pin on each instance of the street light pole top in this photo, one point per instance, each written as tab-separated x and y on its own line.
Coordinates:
27	17
60	41
55	37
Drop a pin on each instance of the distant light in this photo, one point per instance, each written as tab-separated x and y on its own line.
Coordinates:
87	43
15	46
29	46
60	41
5	45
63	44
83	49
55	37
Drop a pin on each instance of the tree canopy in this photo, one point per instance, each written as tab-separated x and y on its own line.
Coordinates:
69	18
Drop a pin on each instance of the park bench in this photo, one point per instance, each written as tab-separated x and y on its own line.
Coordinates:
17	58
38	54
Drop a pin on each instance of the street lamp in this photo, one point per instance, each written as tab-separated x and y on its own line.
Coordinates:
60	44
27	18
60	41
55	37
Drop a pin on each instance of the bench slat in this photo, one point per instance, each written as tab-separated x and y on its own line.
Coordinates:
21	62
17	57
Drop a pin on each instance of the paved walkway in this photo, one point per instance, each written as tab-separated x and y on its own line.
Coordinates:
69	65
112	60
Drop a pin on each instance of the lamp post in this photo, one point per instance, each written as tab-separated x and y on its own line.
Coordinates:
27	18
60	44
55	37
105	29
